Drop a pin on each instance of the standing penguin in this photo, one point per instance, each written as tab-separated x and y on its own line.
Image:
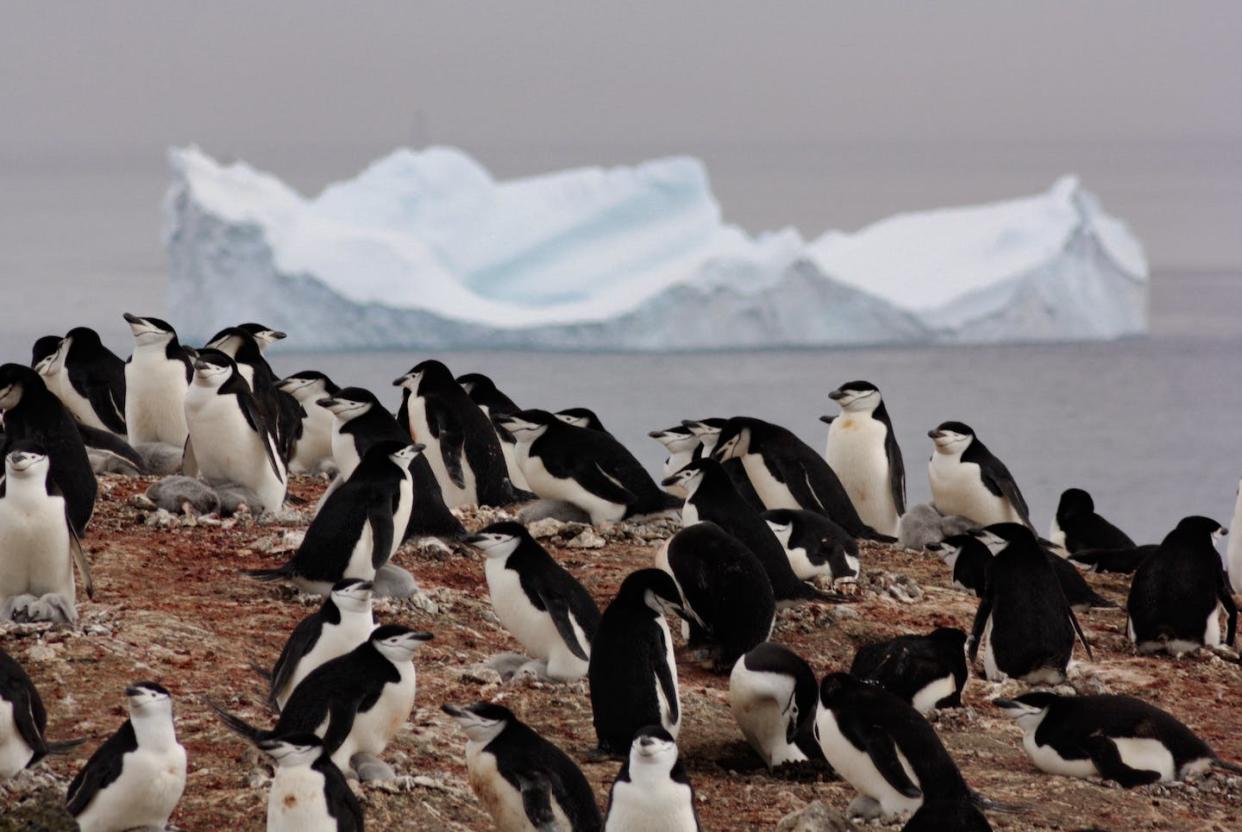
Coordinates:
462	447
581	417
1023	614
38	547
652	792
724	590
1077	591
341	623
1233	556
526	783
312	452
23	721
33	414
541	604
157	377
230	438
681	444
707	431
93	384
926	671
245	345
1077	527
494	404
308	793
1177	594
711	497
772	694
967	479
814	544
863	452
587	468
135	779
787	473
633	674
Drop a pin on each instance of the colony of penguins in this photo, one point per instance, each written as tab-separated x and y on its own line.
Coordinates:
767	522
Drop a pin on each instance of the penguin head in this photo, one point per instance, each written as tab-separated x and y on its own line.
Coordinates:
84	338
690	475
1074	503
264	336
477	386
653	746
425	375
149	331
213	368
952	438
528	425
15	380
148	698
950	549
998	536
26	461
481	722
781	522
307	386
293	750
348	403
1195	529
396	642
857	397
498	540
44	354
229	340
676	438
734	441
705	428
398	453
352	595
653	588
580	417
1028	710
836	690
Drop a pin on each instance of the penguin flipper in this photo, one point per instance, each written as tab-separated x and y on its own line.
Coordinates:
103	402
103	767
301	641
28	713
558	608
189	463
1231	612
664	676
341	713
379	515
254	418
1108	762
896	471
452	439
537	801
598	482
883	753
79	559
1081	636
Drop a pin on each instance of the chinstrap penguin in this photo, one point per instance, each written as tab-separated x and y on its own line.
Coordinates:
581	417
1076	525
312	453
1233	555
23	721
707	432
967	558
814	544
1077	591
495	404
967	479
927	671
1122	561
652	792
92	383
245	345
682	445
308	792
773	694
863	452
157	377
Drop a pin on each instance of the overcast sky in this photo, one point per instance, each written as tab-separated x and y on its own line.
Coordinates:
810	113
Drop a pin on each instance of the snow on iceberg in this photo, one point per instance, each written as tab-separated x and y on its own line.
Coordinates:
425	250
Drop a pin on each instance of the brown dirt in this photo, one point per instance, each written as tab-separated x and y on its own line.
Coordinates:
170	606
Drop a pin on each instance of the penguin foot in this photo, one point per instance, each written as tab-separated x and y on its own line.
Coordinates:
371	769
867	808
391	581
53	608
507	664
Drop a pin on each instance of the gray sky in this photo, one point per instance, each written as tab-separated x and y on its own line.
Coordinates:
813	114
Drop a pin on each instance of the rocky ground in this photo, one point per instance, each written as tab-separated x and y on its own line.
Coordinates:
170	606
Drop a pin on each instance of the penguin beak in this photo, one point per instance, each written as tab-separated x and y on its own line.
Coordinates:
132	319
934	434
277	335
1005	704
201	365
327	403
837	395
400	380
473	540
826	419
454	711
673	480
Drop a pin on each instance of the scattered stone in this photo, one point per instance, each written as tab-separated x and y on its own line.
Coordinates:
815	817
586	539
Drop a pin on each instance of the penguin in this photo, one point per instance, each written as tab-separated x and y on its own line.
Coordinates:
1119	738
682	445
967	479
772	694
1079	527
38	547
711	497
494	404
652	792
93	382
43	355
814	544
724	590
942	815
589	469
135	779
245	345
581	417
308	792
1177	594
1077	591
230	438
884	748
633	675
32	413
157	378
707	431
967	559
862	450
538	601
1233	555
356	702
922	525
341	623
359	421
1023	614
926	671
358	528
312	453
462	447
523	781
787	473
1124	561
23	722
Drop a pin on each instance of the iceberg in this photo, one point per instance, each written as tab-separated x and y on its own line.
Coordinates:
426	250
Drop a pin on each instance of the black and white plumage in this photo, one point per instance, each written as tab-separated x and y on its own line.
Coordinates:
863	452
945	815
523	781
1124	561
495	404
928	671
1119	738
1023	614
710	497
157	377
1077	527
968	480
724	590
788	473
652	792
682	445
584	467
581	417
245	345
884	748
93	381
707	431
814	545
358	527
1077	591
312	453
633	674
135	779
23	721
33	414
772	695
308	792
537	600
356	702
967	558
341	623
462	447
1178	593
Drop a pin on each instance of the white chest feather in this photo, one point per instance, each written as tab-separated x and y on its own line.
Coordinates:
145	794
759	703
650	804
375	728
550	487
501	800
532	627
227	449
14	753
401	517
774	493
155	390
933	692
78	404
956	488
334	640
855	767
297	803
420	430
35	556
1233	554
315	445
361	565
856	453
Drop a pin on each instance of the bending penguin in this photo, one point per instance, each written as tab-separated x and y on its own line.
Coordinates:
312	453
92	383
157	378
541	604
926	671
308	792
966	479
135	779
23	721
863	452
814	544
494	404
773	694
1076	527
652	792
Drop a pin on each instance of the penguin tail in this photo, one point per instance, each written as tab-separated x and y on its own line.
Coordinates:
267	576
235	723
263	672
63	746
868	533
1226	765
989	805
295	500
